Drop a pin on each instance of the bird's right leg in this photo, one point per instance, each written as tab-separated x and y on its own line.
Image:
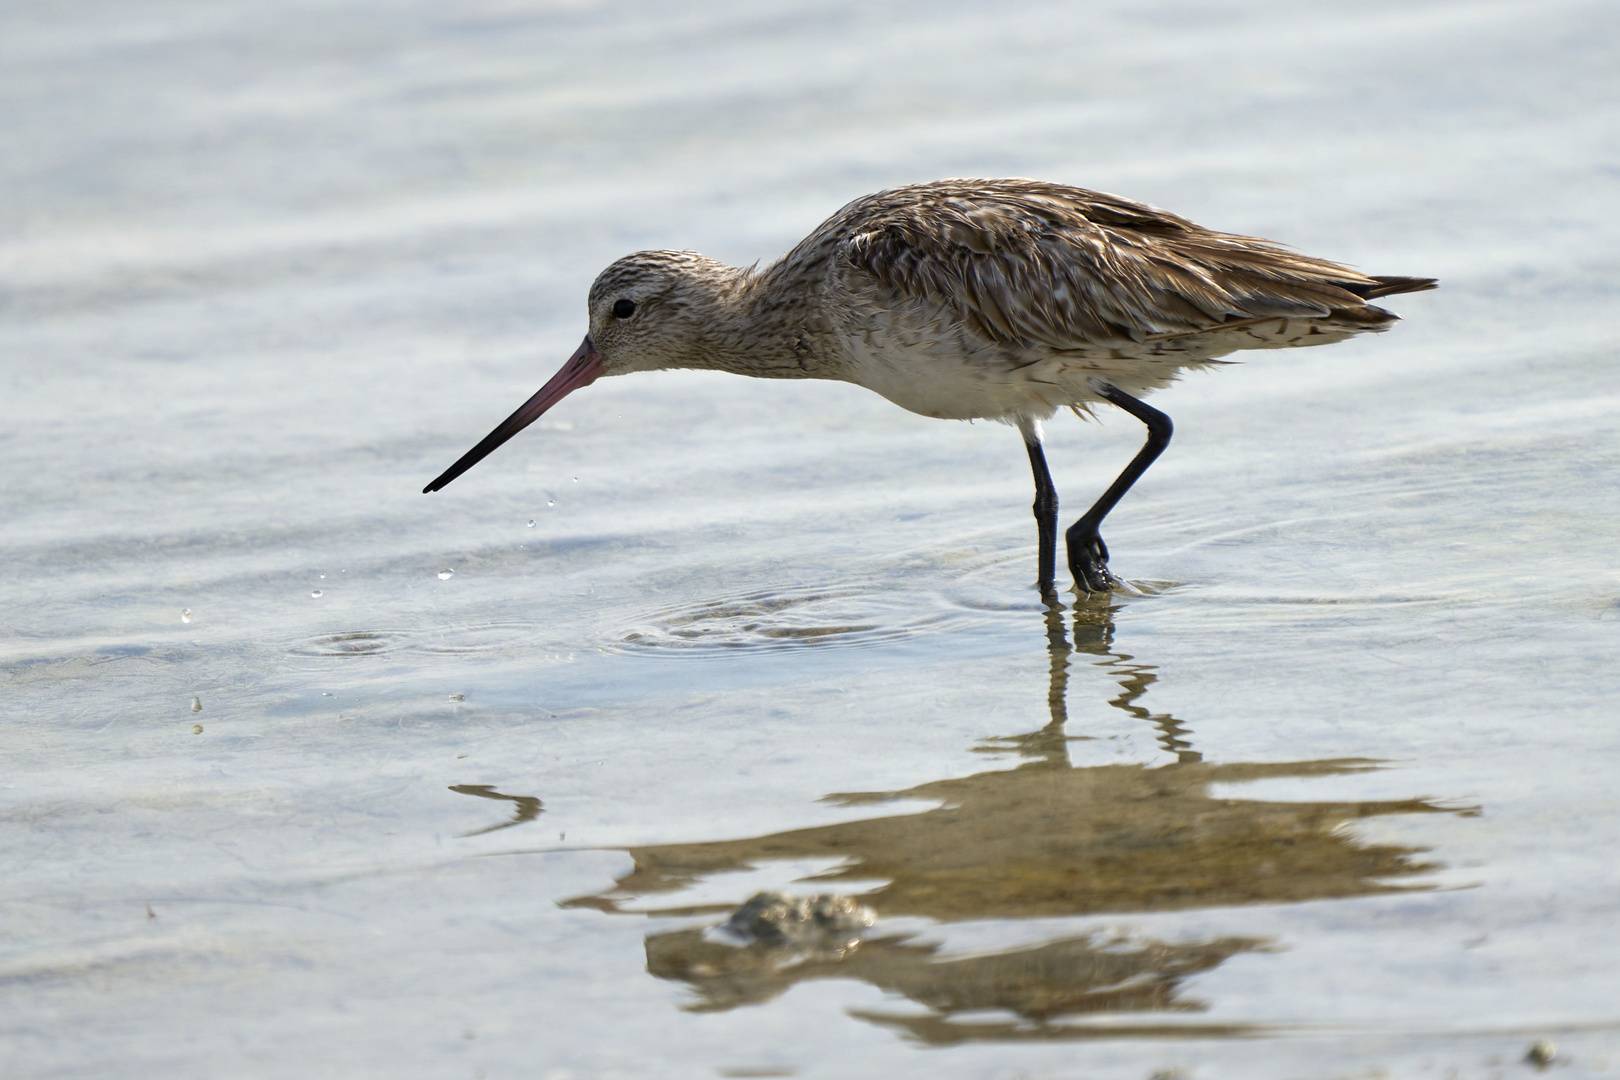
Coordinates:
1088	555
1046	509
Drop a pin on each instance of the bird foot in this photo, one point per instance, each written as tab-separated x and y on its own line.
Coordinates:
1088	562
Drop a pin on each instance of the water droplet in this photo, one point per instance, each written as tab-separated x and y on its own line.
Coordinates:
196	729
551	502
185	614
196	704
531	523
446	575
315	593
458	697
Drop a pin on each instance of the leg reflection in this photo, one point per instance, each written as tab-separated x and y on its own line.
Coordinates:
1093	626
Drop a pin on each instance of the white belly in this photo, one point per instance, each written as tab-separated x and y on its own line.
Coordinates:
957	387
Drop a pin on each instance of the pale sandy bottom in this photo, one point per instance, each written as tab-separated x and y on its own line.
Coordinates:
1333	797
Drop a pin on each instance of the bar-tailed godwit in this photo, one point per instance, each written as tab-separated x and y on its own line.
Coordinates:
977	299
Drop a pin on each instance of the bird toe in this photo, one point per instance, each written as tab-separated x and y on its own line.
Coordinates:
1088	561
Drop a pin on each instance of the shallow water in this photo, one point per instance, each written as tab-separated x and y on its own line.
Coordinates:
1328	791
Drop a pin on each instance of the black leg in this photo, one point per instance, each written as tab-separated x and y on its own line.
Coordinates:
1088	555
1046	508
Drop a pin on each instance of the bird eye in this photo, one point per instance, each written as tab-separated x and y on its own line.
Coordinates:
624	309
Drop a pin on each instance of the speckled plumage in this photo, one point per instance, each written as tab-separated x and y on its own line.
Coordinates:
965	299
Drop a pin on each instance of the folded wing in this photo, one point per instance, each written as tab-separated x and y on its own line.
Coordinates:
1023	262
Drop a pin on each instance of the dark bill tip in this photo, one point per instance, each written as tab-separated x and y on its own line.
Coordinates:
581	369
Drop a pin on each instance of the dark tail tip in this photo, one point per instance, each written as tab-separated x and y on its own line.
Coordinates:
1390	285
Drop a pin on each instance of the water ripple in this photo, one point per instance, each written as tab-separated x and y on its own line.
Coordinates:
350	643
476	638
855	614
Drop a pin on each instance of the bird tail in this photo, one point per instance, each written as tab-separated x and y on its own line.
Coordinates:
1389	286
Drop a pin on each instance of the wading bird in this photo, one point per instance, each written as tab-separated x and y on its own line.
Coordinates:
967	299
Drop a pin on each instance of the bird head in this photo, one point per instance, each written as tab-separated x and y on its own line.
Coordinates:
648	312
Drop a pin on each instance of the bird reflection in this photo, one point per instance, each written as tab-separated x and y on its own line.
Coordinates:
1044	839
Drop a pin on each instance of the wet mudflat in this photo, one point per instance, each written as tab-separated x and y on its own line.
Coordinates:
309	774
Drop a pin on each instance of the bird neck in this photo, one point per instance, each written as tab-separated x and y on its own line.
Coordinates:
769	325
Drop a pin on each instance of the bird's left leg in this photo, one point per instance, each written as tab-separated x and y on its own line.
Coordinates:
1088	555
1046	506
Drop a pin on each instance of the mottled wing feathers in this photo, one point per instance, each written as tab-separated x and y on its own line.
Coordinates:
1020	261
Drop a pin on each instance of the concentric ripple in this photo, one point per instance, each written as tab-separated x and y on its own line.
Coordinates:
477	638
844	615
351	643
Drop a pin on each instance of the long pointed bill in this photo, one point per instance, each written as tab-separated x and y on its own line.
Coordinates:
581	370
